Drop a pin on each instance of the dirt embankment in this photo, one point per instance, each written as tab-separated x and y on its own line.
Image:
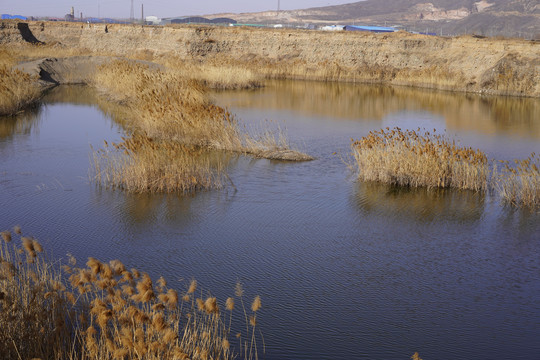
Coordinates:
494	66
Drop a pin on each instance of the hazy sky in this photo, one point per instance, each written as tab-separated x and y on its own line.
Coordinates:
160	8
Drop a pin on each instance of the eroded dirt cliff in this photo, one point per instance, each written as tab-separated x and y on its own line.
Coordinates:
495	66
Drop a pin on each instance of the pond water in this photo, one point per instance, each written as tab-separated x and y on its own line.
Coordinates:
346	270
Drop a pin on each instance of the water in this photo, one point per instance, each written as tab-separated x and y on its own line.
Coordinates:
346	270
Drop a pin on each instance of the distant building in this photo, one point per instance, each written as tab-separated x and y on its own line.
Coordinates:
13	17
223	20
71	15
198	20
191	20
332	28
152	20
375	29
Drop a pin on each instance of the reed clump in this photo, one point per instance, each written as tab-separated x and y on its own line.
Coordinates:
416	159
174	125
214	74
34	314
106	311
518	183
140	164
17	90
164	105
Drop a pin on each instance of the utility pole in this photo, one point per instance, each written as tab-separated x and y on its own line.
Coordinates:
131	14
142	14
278	7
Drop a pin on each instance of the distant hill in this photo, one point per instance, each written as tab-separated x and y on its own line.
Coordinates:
450	17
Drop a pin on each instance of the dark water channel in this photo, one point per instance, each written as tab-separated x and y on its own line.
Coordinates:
346	270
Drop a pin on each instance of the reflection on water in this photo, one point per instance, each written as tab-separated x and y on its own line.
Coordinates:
19	124
25	121
143	209
463	112
75	94
420	205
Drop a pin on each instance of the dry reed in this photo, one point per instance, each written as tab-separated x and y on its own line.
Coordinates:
165	105
410	158
104	311
173	122
139	164
17	90
519	183
214	74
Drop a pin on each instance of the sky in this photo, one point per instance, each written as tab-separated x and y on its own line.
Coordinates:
160	8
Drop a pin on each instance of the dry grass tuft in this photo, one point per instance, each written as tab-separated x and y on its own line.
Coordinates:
174	125
101	312
214	74
519	185
409	158
140	164
17	90
166	106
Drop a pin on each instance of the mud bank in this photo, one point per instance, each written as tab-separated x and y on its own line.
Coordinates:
483	65
70	70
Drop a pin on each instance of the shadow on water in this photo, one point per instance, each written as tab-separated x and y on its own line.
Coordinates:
464	112
419	204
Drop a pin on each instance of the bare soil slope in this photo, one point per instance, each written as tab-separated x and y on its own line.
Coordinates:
495	66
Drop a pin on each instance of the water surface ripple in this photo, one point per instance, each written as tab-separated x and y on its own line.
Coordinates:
346	270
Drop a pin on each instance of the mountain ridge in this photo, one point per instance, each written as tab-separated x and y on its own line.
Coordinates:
511	18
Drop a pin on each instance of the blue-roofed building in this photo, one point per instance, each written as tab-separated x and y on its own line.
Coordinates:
13	17
376	29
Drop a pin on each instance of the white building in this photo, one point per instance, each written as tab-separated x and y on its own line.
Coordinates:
152	20
333	28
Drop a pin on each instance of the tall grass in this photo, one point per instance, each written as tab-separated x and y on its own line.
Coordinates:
214	74
139	164
105	311
167	106
415	159
34	316
519	183
17	90
412	158
172	121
